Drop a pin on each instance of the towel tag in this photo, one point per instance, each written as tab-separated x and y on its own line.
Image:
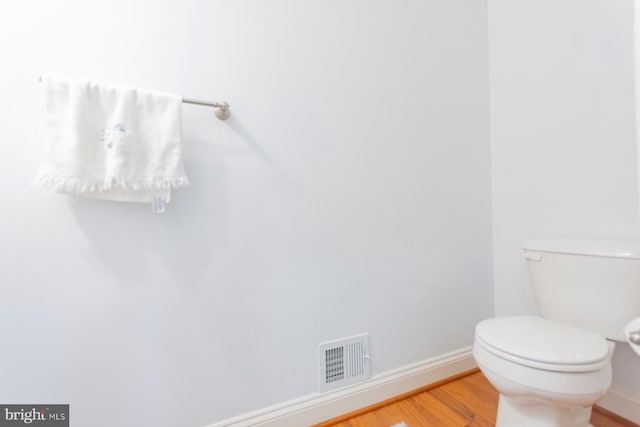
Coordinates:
158	204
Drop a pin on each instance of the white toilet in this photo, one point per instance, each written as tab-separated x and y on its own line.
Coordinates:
551	369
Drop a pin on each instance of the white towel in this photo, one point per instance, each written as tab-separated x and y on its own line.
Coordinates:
110	142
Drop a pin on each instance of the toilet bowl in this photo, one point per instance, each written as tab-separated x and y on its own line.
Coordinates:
547	373
550	369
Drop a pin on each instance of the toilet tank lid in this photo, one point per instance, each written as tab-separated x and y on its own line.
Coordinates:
612	248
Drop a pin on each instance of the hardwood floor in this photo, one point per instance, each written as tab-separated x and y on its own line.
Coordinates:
469	400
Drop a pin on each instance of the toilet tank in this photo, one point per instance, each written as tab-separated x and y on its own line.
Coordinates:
593	284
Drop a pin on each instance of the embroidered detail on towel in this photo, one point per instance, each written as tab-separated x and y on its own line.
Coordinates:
113	135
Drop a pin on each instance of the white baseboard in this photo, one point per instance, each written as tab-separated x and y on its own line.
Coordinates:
622	403
319	407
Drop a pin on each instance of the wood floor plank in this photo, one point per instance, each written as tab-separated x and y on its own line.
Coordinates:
602	419
475	394
434	412
474	417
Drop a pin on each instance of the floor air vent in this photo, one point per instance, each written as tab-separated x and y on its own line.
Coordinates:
343	362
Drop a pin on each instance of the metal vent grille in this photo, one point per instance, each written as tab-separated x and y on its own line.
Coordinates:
343	362
334	361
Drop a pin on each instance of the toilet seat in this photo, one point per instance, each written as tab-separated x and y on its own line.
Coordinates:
543	344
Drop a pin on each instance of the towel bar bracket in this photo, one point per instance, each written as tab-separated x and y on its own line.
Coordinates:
222	112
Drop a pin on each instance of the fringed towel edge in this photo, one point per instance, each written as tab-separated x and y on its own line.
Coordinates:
74	185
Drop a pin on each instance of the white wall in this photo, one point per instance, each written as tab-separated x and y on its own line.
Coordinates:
349	193
562	136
